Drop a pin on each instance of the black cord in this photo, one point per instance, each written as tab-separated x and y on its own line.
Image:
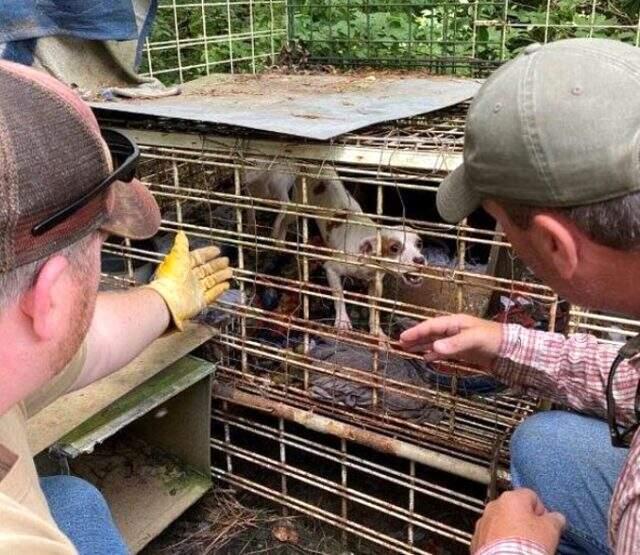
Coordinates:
629	350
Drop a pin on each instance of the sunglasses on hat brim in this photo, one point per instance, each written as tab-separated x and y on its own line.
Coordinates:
124	153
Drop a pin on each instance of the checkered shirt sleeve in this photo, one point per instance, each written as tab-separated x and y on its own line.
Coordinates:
573	372
513	546
569	371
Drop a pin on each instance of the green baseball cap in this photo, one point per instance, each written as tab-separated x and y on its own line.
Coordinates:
557	126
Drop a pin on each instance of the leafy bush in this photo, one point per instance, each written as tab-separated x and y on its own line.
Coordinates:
239	37
460	36
450	34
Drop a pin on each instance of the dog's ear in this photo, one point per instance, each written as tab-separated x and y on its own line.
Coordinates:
367	246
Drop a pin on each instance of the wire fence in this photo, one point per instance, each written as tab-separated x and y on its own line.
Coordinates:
390	451
379	444
283	427
192	38
463	36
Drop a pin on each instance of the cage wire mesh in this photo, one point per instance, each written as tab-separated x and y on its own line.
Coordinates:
398	454
394	452
463	36
193	38
190	38
390	450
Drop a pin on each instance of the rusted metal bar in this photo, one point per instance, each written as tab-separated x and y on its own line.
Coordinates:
379	442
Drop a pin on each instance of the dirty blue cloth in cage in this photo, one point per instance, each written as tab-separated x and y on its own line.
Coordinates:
479	384
330	387
215	315
465	385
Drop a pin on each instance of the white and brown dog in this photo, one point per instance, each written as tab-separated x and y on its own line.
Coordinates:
345	229
272	181
352	235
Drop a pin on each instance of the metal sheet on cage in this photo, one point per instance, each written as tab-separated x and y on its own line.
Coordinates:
317	107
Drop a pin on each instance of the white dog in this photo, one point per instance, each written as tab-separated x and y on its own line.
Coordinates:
347	231
352	235
270	182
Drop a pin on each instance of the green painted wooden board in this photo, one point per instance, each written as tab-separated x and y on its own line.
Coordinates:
71	410
163	386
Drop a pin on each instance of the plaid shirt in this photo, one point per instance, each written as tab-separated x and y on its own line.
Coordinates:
513	546
573	372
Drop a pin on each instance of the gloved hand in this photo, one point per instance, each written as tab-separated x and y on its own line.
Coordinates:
190	281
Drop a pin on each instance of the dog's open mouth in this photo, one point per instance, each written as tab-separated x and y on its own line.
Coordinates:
412	279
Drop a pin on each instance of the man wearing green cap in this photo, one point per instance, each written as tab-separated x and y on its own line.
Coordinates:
552	151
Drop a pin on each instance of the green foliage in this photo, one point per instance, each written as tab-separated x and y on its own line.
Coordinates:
450	34
239	36
464	36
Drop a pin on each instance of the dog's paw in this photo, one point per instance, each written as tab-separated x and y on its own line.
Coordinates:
343	322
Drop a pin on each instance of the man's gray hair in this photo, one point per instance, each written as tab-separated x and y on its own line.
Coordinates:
17	281
613	223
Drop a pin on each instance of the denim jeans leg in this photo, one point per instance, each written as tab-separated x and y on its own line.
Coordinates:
568	460
83	515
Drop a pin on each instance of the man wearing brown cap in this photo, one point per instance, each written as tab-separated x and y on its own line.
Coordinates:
552	151
64	186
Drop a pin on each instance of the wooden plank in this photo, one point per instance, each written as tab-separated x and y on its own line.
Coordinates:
71	410
160	388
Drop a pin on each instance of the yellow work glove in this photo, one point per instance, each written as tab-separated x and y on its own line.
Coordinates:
189	281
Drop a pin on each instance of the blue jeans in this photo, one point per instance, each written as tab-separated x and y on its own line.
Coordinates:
568	460
83	515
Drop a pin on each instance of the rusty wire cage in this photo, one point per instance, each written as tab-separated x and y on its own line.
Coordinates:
397	454
404	459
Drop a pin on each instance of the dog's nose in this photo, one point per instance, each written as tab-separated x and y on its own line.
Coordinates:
419	260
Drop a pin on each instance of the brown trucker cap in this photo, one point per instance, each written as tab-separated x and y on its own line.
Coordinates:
558	126
51	154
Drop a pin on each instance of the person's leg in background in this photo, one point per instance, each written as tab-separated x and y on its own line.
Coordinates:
83	515
568	460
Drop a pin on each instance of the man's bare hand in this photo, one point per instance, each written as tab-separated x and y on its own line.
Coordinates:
457	337
518	514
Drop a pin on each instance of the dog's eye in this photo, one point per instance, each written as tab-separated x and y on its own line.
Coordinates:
395	248
419	244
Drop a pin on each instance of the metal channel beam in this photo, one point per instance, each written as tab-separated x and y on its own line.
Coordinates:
325	152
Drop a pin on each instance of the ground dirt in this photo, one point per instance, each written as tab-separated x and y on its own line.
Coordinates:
227	522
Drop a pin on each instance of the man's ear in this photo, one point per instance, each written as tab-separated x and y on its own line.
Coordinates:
367	246
41	303
554	239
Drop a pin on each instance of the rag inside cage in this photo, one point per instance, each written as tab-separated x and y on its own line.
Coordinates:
341	424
